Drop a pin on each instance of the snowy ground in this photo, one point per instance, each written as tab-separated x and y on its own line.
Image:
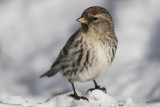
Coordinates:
97	98
33	31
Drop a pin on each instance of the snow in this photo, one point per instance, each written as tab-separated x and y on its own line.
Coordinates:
97	98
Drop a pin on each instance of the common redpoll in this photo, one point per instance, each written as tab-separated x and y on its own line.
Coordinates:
89	51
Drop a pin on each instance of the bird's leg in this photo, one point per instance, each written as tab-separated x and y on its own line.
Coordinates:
75	95
97	87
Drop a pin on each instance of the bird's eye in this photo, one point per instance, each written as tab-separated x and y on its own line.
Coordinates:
95	18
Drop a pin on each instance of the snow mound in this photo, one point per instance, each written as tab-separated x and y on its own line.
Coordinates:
97	98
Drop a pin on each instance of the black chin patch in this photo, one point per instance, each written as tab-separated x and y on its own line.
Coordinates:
85	27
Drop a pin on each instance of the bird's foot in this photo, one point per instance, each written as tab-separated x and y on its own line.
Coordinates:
99	88
78	97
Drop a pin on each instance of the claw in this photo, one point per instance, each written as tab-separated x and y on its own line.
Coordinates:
78	97
103	89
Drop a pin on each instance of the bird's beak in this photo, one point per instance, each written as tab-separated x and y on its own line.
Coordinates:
82	20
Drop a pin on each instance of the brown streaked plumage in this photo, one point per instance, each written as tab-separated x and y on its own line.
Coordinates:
90	51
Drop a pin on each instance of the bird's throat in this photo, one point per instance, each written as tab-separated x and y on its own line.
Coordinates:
84	27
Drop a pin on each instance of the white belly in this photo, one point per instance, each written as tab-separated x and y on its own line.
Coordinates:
100	65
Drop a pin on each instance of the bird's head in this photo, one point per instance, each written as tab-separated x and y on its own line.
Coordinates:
96	18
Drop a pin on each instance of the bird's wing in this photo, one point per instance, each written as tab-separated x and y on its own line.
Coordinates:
64	55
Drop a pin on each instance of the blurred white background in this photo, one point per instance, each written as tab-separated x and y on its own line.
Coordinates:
32	32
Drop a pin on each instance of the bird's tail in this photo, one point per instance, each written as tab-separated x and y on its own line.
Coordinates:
49	73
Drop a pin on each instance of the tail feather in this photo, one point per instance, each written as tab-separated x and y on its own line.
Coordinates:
49	73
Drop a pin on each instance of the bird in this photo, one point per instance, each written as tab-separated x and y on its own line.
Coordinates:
89	52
